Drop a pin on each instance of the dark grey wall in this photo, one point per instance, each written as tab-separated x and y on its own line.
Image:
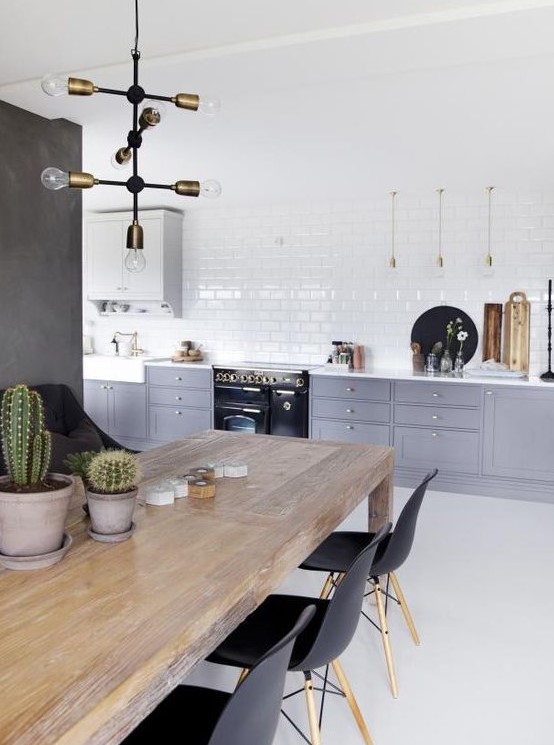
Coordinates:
40	253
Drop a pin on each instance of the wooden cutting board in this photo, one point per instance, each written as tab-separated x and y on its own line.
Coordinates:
492	331
517	318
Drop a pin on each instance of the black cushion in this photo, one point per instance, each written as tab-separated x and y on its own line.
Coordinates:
83	437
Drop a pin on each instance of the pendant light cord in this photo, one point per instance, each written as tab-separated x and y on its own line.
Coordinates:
135	50
392	260
488	258
439	257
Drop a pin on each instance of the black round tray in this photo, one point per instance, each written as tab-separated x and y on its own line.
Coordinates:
430	327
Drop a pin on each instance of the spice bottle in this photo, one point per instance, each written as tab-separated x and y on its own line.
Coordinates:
358	357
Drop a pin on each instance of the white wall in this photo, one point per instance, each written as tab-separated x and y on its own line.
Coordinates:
279	282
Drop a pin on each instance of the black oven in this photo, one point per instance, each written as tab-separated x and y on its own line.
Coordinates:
265	400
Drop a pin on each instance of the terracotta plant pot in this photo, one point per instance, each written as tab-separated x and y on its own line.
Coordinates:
33	524
111	514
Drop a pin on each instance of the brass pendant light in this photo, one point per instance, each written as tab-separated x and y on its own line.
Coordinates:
392	260
440	260
488	257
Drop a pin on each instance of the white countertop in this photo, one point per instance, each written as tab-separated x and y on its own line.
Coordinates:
202	364
471	378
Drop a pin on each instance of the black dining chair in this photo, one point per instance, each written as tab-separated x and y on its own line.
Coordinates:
325	638
249	715
335	553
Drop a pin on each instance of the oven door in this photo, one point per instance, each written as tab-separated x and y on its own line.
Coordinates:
289	412
249	420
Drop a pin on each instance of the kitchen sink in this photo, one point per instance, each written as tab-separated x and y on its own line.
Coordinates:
112	367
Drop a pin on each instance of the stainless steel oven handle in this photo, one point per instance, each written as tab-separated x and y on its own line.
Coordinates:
255	390
286	393
252	411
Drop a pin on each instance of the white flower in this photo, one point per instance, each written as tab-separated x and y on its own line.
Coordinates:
462	335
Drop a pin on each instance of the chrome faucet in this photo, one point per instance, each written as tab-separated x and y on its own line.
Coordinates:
135	349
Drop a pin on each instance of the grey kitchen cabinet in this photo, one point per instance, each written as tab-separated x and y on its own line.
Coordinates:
119	409
519	433
179	402
107	278
437	425
347	410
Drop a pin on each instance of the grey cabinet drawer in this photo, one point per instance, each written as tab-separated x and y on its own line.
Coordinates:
367	411
444	394
447	450
180	397
437	416
359	433
347	387
179	377
168	423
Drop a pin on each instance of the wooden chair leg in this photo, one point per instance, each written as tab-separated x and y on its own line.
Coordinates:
315	734
343	682
404	607
385	637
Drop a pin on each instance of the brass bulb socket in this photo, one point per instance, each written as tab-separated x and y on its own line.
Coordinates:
135	236
439	262
392	262
187	188
188	101
79	180
80	87
488	260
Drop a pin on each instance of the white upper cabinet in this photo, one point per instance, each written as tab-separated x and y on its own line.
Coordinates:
107	278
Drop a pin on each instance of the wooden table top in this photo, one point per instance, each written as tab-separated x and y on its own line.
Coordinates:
90	645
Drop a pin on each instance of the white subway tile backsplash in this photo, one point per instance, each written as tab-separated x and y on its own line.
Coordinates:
280	282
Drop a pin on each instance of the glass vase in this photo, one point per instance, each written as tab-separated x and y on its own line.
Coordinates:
459	363
446	363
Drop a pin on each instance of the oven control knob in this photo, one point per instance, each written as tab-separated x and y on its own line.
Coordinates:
299	382
243	378
265	379
250	379
233	377
259	378
273	380
225	377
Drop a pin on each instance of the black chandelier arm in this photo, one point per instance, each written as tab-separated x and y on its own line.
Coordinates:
104	182
159	186
111	91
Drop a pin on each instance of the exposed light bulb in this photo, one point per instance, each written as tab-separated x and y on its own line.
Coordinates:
135	261
210	189
122	158
54	85
209	106
152	113
54	179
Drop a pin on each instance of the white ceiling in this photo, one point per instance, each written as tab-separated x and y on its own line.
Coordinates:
320	99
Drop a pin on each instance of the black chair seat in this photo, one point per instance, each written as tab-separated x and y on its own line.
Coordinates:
249	715
322	641
338	551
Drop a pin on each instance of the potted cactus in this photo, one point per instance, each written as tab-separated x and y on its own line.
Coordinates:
111	487
33	502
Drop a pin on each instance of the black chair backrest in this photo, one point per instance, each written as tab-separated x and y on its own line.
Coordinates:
343	609
399	543
251	715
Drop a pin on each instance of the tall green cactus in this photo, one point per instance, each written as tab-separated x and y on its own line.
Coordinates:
26	444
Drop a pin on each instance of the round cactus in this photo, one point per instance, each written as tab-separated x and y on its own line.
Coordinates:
113	472
26	444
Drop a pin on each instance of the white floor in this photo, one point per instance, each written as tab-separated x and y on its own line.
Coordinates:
479	585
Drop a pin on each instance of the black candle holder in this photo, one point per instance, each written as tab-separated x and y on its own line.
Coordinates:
548	376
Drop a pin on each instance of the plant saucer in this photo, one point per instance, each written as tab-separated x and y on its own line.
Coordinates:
112	537
40	561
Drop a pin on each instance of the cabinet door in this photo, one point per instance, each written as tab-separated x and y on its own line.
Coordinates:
95	399
519	437
105	241
168	423
127	410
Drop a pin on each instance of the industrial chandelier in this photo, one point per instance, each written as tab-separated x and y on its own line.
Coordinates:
149	116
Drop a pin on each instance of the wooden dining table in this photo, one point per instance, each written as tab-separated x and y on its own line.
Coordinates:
90	645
